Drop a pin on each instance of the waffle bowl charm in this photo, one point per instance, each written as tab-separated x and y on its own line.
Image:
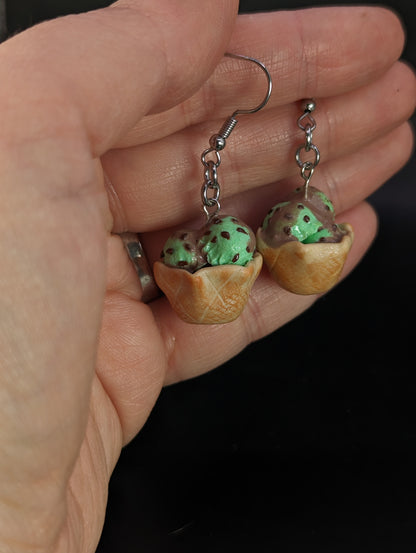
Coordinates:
303	248
207	274
302	245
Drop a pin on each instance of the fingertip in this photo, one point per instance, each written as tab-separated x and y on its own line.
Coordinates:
391	27
364	221
406	138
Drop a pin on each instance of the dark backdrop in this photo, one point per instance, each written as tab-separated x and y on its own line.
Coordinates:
305	442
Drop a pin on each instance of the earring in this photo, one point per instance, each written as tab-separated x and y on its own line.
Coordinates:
302	246
207	274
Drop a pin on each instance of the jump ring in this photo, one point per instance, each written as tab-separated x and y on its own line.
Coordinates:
312	147
207	163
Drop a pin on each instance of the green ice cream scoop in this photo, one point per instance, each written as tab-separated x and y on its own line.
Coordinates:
308	219
180	251
299	222
227	240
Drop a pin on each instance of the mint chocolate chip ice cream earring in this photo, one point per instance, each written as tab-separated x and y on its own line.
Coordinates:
207	274
303	248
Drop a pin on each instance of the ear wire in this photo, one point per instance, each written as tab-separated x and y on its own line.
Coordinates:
217	143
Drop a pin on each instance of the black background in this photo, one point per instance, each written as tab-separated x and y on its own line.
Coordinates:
305	442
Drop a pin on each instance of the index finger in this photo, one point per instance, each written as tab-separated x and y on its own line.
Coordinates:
101	71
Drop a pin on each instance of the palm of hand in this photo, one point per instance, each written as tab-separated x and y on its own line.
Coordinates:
85	359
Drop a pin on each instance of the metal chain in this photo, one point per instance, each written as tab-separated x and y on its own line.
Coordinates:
307	124
210	191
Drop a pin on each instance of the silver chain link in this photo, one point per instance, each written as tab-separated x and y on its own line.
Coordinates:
307	124
210	190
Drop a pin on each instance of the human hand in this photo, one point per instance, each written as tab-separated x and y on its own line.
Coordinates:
83	359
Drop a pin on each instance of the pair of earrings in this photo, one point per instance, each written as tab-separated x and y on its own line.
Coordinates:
207	274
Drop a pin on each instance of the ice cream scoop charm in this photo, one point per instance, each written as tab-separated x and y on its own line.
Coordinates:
302	245
207	274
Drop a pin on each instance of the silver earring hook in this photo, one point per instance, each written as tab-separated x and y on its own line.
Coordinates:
217	142
269	83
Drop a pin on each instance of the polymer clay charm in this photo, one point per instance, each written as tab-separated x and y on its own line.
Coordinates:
207	274
303	248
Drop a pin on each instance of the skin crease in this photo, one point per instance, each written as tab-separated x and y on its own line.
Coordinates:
83	360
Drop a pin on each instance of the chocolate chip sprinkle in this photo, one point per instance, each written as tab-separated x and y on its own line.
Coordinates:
188	247
236	257
300	206
182	263
214	240
184	236
170	251
306	218
225	234
240	229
